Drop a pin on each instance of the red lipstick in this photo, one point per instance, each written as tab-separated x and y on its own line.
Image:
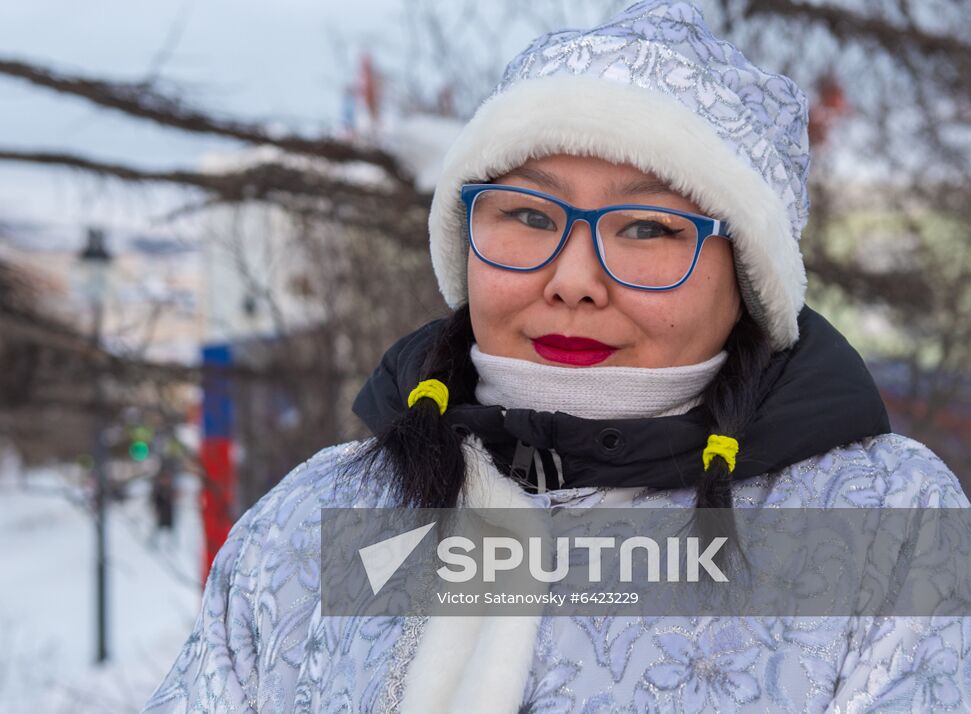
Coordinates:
578	351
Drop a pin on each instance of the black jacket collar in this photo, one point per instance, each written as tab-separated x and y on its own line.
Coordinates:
818	395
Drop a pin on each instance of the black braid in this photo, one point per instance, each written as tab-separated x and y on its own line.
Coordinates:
731	399
427	466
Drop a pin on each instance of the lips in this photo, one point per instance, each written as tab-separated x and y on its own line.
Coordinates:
579	351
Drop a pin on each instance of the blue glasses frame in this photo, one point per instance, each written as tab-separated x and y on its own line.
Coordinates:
706	228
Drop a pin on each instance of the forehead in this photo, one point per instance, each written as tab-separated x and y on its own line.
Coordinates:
569	175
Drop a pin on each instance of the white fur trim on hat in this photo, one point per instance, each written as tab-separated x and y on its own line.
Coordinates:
588	116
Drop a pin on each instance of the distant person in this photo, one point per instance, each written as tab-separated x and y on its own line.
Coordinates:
163	501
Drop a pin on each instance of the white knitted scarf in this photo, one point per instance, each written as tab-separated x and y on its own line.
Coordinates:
592	392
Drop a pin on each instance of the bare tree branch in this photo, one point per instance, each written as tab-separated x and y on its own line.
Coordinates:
849	25
251	182
143	100
308	192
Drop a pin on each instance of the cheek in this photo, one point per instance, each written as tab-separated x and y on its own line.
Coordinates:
658	315
721	284
712	303
690	323
496	300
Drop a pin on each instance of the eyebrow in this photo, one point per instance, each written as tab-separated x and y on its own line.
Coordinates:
641	185
537	176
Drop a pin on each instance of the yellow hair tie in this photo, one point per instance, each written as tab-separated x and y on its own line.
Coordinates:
724	446
433	389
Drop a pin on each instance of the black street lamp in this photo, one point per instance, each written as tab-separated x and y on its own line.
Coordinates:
95	260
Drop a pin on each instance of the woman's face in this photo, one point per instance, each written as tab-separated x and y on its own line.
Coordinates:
574	297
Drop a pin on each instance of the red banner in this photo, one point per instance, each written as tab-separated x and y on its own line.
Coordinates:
217	497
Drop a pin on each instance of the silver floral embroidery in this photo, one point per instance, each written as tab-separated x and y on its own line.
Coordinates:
401	655
260	645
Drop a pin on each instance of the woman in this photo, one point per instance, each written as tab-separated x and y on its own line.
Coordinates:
657	355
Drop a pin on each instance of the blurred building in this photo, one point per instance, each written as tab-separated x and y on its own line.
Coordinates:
152	305
52	363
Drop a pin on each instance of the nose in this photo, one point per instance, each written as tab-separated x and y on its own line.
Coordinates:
576	276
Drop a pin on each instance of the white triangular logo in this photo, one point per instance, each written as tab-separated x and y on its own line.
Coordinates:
382	559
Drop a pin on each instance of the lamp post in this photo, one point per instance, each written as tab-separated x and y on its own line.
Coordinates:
94	261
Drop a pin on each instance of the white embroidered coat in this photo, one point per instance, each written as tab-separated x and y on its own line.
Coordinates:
260	644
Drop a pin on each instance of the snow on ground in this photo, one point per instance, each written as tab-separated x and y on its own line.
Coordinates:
47	595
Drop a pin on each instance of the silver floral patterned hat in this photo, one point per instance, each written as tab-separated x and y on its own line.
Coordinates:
653	88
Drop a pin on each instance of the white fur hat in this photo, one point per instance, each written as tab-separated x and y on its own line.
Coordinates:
653	88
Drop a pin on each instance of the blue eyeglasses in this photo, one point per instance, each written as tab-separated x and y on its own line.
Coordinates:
642	247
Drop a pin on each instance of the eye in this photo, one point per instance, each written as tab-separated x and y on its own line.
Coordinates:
642	230
532	218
